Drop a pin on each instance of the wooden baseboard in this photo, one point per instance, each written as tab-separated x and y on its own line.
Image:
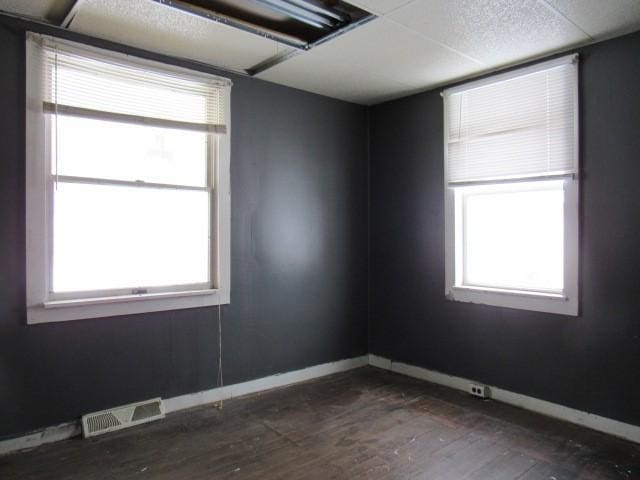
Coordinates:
266	383
578	417
41	437
174	404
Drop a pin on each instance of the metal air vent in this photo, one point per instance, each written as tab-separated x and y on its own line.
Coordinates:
117	418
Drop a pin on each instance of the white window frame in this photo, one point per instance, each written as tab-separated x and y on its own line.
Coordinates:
44	306
565	303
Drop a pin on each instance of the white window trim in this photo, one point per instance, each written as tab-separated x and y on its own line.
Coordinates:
43	309
566	303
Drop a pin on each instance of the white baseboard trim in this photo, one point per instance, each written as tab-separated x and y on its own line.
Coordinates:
174	404
41	437
578	417
266	383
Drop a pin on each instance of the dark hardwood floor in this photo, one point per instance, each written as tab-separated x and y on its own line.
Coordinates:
363	424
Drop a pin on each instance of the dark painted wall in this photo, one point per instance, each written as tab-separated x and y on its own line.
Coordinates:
590	362
299	272
299	260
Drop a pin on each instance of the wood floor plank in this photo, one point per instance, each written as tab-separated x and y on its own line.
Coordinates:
364	424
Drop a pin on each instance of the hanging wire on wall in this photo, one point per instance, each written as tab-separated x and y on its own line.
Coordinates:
220	380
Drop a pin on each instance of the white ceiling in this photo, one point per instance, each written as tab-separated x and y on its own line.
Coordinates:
38	9
414	45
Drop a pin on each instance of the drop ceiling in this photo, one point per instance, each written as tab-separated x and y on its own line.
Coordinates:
409	46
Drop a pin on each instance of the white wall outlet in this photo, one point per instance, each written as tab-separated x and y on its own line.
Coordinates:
478	390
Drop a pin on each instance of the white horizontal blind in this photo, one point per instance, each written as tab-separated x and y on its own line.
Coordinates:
88	84
520	127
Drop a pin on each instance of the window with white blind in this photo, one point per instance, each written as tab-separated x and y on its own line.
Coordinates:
127	184
511	189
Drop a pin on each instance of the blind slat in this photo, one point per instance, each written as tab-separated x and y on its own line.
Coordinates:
79	81
59	109
523	126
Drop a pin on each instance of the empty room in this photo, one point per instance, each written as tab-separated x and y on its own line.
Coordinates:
319	239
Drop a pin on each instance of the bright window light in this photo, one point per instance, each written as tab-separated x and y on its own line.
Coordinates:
132	235
114	237
513	236
120	151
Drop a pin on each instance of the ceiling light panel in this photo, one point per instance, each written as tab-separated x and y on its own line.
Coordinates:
299	23
152	26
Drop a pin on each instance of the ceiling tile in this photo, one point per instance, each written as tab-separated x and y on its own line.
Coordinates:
601	19
413	45
41	9
358	66
495	32
353	85
152	26
379	7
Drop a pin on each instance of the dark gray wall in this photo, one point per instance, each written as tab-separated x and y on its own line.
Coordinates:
590	362
299	272
299	259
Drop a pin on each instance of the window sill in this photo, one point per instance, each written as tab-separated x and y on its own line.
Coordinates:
522	300
518	293
85	308
126	298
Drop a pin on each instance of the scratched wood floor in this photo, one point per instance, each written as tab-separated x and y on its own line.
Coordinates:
363	424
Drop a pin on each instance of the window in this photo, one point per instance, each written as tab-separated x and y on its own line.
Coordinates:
127	184
511	189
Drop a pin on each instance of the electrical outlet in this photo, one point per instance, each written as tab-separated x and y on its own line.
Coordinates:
478	390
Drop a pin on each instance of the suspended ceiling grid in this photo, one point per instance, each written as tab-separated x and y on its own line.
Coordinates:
413	45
